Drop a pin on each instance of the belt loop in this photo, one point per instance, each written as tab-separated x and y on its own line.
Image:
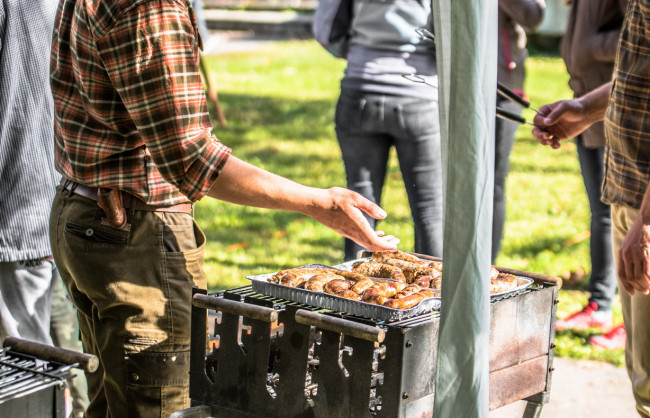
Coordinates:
64	186
132	203
68	186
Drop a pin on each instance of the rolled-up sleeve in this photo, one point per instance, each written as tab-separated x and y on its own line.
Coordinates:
151	56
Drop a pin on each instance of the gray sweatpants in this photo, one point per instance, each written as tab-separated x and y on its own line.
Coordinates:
26	298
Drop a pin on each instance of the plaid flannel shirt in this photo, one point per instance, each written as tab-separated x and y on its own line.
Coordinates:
627	123
130	108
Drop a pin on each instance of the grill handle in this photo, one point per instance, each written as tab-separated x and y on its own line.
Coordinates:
233	307
340	325
86	362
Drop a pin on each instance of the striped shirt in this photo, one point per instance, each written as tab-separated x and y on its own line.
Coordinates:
627	122
130	109
27	174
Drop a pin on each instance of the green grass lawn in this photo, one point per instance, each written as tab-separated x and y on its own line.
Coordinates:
280	102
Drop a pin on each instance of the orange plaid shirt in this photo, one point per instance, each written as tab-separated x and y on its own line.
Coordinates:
130	108
627	123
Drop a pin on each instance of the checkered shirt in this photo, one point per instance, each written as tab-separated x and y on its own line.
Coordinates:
130	108
627	123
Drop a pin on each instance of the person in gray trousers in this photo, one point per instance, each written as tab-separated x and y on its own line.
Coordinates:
28	275
379	109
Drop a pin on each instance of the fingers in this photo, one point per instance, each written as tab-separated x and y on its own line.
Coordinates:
555	143
634	269
370	208
377	242
351	223
545	138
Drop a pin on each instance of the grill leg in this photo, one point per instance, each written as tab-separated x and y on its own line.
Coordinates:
533	410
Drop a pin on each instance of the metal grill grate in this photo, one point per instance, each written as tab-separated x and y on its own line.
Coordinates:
22	375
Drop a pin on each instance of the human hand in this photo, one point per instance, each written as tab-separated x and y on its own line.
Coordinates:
342	211
560	120
634	259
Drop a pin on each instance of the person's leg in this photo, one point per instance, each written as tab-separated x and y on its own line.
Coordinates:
602	283
133	289
64	330
364	148
25	299
505	132
636	311
416	129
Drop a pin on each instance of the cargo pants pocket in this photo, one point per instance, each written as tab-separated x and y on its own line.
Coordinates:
157	383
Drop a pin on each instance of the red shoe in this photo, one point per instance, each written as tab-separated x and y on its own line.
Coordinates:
612	340
589	317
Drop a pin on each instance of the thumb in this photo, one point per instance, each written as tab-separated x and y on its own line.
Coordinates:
556	114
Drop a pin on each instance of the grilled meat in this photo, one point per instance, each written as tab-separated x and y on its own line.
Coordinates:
374	295
412	288
409	301
503	283
376	269
362	285
341	288
381	256
412	270
316	282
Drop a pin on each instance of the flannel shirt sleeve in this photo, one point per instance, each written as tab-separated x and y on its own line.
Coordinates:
151	56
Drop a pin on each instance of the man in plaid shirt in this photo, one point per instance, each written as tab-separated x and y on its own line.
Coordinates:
624	105
131	117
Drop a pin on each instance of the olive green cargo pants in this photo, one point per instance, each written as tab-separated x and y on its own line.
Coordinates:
133	289
636	312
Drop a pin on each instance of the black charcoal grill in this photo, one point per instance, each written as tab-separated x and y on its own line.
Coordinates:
270	357
33	378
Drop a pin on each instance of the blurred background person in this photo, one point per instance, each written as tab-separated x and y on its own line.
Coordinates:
589	49
64	330
379	109
28	275
515	18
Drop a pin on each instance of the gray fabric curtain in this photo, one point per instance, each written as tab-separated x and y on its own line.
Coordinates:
466	39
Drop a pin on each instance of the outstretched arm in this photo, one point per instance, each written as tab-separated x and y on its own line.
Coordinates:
634	254
568	118
337	208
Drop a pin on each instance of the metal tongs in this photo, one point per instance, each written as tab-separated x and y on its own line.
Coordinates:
502	90
506	93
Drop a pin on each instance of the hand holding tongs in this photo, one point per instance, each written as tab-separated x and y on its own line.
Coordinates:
502	90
